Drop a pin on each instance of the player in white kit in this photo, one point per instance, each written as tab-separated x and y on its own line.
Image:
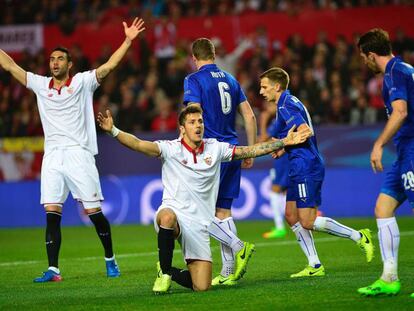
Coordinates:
190	176
66	111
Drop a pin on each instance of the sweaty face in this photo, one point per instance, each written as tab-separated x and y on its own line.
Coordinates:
268	89
59	65
370	62
193	127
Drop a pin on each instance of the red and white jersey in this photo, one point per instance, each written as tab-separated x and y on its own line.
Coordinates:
67	114
191	180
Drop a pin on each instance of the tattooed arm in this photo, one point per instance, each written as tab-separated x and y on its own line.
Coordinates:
260	149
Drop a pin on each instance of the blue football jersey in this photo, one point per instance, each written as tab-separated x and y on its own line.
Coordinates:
399	84
219	95
304	159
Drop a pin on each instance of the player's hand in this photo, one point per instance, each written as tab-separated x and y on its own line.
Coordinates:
376	158
247	163
135	29
295	138
105	122
278	154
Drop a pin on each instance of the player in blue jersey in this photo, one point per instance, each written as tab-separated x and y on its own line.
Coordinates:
306	174
221	98
398	95
279	178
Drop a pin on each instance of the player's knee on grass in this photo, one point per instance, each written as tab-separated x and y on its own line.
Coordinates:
201	272
166	218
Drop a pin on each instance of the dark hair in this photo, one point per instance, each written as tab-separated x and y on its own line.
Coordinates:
188	110
278	75
376	41
64	50
203	49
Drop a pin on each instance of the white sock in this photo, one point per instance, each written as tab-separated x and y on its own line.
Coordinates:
278	204
389	241
54	269
328	225
225	232
305	239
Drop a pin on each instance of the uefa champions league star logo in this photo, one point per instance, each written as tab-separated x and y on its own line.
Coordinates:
116	204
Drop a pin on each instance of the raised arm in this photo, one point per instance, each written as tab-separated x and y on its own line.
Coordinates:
8	64
260	149
130	34
146	147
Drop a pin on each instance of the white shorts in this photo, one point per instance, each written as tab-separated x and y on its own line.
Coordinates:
194	237
71	169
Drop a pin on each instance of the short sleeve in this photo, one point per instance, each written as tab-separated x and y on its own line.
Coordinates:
291	115
226	151
165	148
192	90
34	82
242	96
398	87
89	80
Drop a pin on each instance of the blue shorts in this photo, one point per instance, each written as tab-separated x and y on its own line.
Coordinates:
279	174
305	191
230	174
399	181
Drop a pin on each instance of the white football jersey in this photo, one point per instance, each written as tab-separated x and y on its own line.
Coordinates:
67	114
191	180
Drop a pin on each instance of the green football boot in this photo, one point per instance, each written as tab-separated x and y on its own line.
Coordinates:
242	259
365	243
162	283
309	271
224	280
381	287
275	233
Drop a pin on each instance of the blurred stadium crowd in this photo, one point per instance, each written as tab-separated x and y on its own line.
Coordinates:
145	95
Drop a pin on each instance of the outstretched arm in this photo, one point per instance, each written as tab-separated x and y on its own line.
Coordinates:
146	147
9	65
260	149
130	34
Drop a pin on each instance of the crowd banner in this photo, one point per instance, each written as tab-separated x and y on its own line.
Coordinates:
19	38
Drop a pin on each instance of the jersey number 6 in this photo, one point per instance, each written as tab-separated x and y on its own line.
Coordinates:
225	97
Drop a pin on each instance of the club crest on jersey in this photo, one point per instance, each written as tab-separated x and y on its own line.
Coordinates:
208	159
50	95
70	90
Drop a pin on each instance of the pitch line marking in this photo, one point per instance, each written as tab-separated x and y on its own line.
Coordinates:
260	244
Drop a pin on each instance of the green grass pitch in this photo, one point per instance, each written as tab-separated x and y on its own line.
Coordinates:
266	285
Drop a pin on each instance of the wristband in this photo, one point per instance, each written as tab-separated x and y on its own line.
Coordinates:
114	131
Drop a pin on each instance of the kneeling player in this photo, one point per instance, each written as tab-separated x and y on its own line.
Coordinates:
190	176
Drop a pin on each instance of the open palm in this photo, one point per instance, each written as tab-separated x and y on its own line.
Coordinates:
105	122
135	29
